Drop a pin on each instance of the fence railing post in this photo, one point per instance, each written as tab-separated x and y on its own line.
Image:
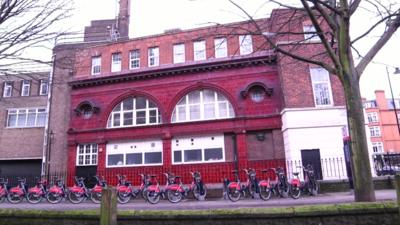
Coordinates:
397	185
108	210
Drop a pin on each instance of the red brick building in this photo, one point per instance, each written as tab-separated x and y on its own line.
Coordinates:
209	99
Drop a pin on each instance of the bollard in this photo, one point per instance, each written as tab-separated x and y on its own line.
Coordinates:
397	186
108	210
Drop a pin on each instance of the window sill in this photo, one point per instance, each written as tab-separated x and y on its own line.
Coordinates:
141	165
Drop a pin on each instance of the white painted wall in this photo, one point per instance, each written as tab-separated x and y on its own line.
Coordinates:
318	128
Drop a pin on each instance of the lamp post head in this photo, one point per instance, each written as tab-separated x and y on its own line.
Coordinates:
397	70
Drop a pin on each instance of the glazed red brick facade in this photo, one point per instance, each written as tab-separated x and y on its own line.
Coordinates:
251	138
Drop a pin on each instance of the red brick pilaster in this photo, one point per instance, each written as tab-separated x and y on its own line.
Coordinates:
167	158
241	150
101	157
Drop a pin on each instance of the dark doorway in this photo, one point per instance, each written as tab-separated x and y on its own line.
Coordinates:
87	172
313	157
29	169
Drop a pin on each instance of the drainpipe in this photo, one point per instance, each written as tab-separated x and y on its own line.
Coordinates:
46	135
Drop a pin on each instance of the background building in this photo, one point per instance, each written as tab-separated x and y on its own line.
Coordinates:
23	115
382	124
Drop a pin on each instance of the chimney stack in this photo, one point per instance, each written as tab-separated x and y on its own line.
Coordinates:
123	19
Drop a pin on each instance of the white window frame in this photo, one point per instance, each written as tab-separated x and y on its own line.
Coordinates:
377	147
201	104
310	37
154	56
245	44
179	53
199	50
44	87
202	143
134	59
8	89
116	61
221	47
321	72
134	110
372	117
96	65
137	146
375	131
26	112
93	151
26	88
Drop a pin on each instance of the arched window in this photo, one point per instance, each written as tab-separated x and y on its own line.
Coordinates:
134	111
203	104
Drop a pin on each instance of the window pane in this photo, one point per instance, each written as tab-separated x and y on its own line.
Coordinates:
94	159
81	149
152	157
114	160
208	96
117	118
140	117
87	149
94	148
128	104
31	118
209	111
192	155
134	159
140	103
80	160
21	118
223	113
181	113
153	116
177	156
221	97
194	112
194	97
12	121
41	119
128	118
213	154
152	104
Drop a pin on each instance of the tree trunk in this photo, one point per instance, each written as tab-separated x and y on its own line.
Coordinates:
361	169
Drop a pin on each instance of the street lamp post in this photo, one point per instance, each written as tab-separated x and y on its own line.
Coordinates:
397	71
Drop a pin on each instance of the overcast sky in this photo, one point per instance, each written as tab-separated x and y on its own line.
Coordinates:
154	16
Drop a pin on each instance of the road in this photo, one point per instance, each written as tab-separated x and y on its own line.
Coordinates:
189	204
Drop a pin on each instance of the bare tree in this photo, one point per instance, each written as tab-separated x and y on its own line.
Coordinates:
330	20
29	24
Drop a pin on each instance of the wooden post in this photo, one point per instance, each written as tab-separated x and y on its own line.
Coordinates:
108	210
397	185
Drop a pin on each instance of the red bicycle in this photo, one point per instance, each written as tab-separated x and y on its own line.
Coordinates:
153	191
3	189
57	191
38	192
232	189
174	189
17	194
96	191
78	192
197	187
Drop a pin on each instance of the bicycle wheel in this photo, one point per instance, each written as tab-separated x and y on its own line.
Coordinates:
53	197
153	197
75	197
174	196
34	198
283	190
234	194
2	197
295	192
199	194
14	198
95	197
123	197
313	188
265	193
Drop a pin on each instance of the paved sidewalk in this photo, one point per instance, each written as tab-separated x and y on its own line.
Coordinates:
189	204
